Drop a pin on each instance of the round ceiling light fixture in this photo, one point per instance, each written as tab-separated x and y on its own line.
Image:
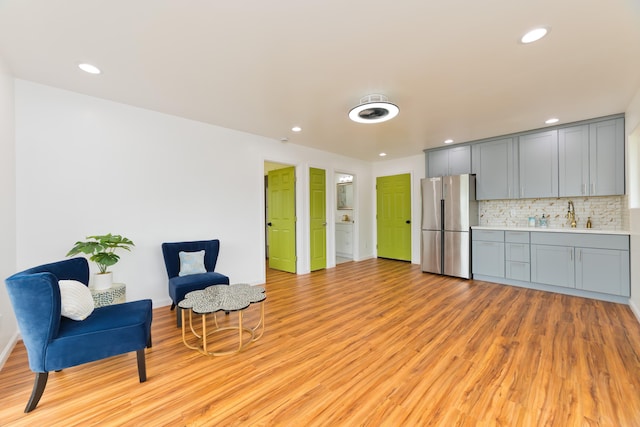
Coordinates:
374	109
534	35
89	68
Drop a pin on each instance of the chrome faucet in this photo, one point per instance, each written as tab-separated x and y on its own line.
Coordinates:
571	214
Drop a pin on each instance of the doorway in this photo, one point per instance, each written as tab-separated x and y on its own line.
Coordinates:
345	217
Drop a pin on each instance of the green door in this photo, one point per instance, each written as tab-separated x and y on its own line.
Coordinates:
318	218
393	213
281	220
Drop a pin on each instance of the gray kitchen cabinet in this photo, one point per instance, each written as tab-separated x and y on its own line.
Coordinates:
603	270
553	265
538	164
591	159
517	256
487	253
606	157
591	262
573	159
494	164
449	161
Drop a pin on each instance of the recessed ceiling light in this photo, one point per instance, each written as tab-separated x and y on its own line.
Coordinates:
296	128
534	35
382	154
552	121
448	141
91	69
373	109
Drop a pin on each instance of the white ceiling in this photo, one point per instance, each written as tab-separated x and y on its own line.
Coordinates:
454	67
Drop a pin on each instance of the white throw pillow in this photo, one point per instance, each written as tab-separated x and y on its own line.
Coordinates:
191	263
77	301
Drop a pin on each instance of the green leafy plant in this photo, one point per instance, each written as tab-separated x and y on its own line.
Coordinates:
102	249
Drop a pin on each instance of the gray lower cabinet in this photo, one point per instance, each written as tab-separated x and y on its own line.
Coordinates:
602	270
581	261
591	262
487	253
553	265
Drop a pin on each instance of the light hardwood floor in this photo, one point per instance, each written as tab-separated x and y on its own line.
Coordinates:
375	342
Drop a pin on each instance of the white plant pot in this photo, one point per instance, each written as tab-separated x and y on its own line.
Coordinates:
102	280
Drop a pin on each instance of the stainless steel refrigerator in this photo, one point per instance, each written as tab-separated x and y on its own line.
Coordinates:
449	209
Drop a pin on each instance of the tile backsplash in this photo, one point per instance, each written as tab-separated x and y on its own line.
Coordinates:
607	213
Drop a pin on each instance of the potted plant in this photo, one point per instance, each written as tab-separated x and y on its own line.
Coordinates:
102	250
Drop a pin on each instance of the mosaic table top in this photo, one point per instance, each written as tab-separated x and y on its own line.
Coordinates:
223	298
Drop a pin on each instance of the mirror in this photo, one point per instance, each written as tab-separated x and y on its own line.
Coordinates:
345	195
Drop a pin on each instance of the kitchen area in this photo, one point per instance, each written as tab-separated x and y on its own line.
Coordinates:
552	209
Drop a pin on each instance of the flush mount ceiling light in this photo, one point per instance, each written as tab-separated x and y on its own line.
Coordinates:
552	120
91	69
534	35
296	129
448	141
374	109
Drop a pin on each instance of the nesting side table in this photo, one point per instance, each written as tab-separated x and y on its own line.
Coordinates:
116	294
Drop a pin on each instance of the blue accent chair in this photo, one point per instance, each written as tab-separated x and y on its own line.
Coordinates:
54	342
179	286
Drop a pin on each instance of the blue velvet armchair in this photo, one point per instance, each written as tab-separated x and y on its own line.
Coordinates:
54	342
179	286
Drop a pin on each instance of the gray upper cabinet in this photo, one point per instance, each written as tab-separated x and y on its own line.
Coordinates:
606	158
591	159
449	161
496	172
573	157
538	164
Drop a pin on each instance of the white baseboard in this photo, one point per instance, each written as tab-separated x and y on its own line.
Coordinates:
635	310
6	352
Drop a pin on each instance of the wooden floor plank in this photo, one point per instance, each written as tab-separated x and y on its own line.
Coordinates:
372	343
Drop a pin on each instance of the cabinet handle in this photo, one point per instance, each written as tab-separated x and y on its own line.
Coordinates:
584	189
521	191
571	254
593	189
580	255
509	191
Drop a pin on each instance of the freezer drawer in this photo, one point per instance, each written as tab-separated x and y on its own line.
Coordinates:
431	251
457	254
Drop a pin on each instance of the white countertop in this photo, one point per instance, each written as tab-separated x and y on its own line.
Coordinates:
552	229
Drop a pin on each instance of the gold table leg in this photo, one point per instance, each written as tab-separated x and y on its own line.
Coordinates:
203	338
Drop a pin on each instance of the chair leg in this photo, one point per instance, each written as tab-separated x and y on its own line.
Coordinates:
38	388
149	341
142	367
173	305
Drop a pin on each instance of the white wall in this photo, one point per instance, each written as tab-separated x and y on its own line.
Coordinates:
8	327
632	127
90	166
414	165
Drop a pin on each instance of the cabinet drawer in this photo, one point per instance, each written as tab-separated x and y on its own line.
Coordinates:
518	270
488	235
598	241
517	252
516	237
